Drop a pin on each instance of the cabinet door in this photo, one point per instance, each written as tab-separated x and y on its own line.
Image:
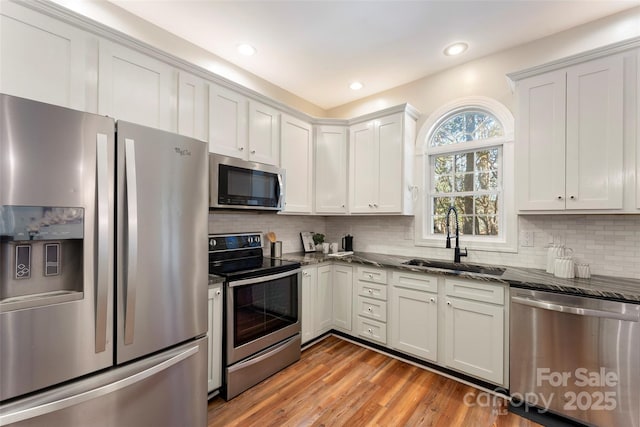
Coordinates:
475	338
228	113
45	60
264	134
342	296
324	301
192	108
296	157
540	147
215	338
309	289
136	88
594	134
414	322
389	132
363	169
331	169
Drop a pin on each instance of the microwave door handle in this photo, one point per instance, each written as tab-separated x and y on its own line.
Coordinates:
280	190
103	236
132	240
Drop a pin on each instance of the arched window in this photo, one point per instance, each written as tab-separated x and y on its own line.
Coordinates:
467	163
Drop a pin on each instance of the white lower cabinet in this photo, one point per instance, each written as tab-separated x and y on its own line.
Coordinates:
309	286
414	314
324	300
342	276
475	329
214	370
371	304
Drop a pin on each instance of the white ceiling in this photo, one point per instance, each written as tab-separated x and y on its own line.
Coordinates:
314	49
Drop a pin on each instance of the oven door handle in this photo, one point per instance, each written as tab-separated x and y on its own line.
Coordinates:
545	305
261	279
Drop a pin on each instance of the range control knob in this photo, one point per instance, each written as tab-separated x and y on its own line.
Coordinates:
212	243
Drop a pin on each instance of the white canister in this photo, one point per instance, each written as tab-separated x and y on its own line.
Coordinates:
582	271
554	251
563	267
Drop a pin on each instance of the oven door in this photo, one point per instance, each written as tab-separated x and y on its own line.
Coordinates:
261	311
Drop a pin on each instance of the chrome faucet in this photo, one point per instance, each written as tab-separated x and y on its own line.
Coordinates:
456	252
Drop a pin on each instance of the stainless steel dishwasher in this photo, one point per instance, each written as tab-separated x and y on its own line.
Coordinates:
576	356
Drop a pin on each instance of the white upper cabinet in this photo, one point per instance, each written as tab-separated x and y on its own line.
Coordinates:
46	60
331	169
296	157
136	87
228	113
264	134
192	106
243	128
381	165
569	147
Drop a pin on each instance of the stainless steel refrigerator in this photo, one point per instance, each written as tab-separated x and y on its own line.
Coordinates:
103	276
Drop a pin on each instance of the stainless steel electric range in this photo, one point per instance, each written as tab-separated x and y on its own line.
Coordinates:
262	310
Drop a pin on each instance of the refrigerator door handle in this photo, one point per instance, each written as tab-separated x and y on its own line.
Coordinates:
132	247
66	402
104	233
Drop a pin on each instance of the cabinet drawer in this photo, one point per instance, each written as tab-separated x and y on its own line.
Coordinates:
473	290
372	290
369	274
372	330
372	308
416	281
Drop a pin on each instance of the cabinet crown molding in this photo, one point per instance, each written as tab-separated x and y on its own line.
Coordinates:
588	55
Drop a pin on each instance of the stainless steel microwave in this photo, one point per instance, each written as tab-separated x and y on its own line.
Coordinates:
241	184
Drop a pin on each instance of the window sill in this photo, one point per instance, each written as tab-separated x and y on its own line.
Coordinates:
471	243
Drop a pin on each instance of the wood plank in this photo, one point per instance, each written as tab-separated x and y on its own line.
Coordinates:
338	383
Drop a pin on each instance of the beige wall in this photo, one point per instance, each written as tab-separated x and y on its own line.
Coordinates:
487	76
119	19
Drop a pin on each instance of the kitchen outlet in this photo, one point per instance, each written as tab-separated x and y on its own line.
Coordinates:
526	239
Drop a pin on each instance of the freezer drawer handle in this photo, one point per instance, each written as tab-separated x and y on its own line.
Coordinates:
77	399
630	317
132	249
102	277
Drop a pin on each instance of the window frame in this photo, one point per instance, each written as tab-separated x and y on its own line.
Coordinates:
424	236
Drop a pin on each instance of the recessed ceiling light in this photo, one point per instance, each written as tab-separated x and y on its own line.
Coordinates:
455	49
356	86
246	49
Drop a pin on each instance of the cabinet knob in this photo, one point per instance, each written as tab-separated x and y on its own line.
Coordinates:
369	309
218	292
572	197
370	331
370	205
370	291
449	303
241	148
559	197
343	206
370	276
253	151
375	205
432	299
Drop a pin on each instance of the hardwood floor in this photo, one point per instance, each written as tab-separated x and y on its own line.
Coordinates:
338	383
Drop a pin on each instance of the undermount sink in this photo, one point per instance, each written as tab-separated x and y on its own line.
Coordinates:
447	265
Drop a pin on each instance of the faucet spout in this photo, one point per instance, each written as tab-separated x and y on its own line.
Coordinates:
456	253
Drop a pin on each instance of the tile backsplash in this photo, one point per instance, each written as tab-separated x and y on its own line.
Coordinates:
609	243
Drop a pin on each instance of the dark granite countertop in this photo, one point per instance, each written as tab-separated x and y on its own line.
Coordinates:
606	287
214	279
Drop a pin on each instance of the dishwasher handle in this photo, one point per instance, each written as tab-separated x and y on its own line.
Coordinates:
546	305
